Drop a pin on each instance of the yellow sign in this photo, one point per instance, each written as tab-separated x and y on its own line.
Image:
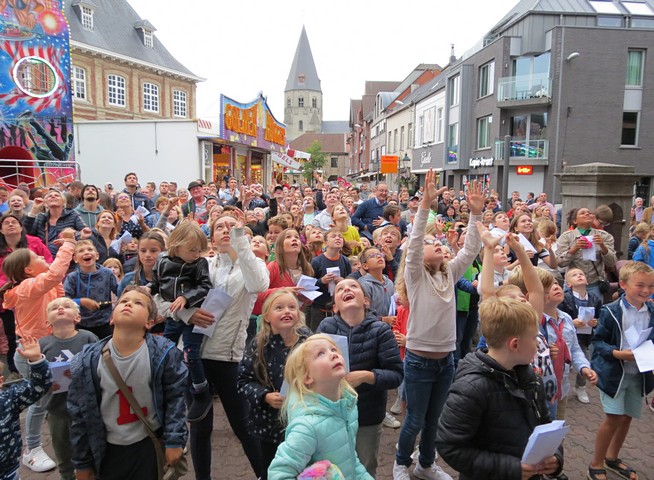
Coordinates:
389	164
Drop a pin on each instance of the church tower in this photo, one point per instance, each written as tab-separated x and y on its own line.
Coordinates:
302	95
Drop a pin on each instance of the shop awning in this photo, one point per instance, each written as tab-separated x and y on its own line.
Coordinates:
285	160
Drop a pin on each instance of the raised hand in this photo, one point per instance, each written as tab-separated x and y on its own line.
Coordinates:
430	193
475	197
29	348
487	238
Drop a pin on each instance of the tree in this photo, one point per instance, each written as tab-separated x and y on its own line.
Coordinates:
316	162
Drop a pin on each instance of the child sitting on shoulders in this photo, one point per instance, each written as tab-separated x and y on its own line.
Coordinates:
320	411
377	286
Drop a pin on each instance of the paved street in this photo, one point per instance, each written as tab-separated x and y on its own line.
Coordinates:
230	463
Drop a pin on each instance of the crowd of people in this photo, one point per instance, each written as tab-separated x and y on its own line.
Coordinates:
126	313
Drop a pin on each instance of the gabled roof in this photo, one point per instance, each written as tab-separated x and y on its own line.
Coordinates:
331	142
335	126
303	74
114	31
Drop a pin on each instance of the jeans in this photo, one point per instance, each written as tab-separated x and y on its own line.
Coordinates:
222	377
466	327
59	425
367	448
35	412
426	383
192	345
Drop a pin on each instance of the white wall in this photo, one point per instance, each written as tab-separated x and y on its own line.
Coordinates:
156	151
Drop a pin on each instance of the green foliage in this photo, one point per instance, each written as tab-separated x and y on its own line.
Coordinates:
316	162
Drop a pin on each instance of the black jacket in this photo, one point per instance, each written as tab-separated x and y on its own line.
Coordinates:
569	305
488	417
372	346
173	277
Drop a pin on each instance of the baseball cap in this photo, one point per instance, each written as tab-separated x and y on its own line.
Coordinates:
194	184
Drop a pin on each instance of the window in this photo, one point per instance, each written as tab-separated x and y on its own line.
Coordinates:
609	21
314	102
300	126
439	125
483	132
421	126
638	8
150	97
179	104
148	39
402	138
410	136
300	102
79	83
454	86
635	68
334	162
486	79
87	17
395	140
642	22
288	102
602	6
629	129
453	143
116	92
390	142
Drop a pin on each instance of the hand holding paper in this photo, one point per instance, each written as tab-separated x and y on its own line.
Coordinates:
641	347
217	302
544	442
589	254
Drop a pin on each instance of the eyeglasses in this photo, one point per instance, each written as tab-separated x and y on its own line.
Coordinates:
431	241
375	255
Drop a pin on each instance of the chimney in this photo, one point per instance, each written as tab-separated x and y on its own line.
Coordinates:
452	55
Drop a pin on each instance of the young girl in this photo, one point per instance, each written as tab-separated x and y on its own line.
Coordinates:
431	334
316	242
375	365
321	413
350	233
115	266
523	225
261	372
32	285
181	279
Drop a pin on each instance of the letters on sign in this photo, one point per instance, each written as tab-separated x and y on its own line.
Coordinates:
524	169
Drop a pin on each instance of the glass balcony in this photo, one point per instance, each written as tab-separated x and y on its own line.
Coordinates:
525	150
531	88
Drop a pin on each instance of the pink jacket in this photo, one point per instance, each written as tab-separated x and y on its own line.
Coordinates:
33	243
30	298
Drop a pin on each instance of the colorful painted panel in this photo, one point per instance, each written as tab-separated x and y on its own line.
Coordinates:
36	113
251	124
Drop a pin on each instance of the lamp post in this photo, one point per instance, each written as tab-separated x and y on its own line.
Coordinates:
403	171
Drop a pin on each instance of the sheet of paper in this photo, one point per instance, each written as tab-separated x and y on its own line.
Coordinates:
332	285
307	283
526	244
589	254
544	441
124	239
586	314
216	302
144	212
644	356
342	344
310	294
61	375
636	338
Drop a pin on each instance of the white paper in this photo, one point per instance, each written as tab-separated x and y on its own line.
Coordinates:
60	376
586	314
142	210
331	286
216	302
544	441
342	343
644	356
636	338
310	294
392	308
526	244
589	254
307	283
125	238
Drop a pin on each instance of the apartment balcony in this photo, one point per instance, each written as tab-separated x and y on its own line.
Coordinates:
525	90
523	150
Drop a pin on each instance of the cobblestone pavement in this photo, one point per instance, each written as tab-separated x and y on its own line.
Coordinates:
230	463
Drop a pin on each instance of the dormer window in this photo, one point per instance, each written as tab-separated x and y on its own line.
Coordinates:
146	30
300	78
148	40
86	17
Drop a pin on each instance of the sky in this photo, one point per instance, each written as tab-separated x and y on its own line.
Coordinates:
244	47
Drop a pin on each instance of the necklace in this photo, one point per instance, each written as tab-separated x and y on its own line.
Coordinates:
445	291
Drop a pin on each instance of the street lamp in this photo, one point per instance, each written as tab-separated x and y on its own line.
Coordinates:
406	161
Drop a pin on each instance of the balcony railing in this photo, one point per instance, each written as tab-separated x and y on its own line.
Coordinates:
523	149
524	87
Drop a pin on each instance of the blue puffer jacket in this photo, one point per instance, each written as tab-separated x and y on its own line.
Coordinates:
372	347
608	337
319	429
87	431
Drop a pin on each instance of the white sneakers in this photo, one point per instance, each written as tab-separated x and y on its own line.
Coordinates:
582	395
37	460
400	472
391	422
432	473
396	409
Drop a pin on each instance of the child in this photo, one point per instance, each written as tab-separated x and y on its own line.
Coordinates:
431	334
321	413
17	398
107	438
376	286
260	247
375	365
150	246
331	258
181	279
315	242
496	400
578	296
91	286
389	242
32	285
115	266
261	372
621	384
64	343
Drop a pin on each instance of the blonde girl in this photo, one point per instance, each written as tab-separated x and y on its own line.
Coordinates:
261	371
523	225
115	266
320	411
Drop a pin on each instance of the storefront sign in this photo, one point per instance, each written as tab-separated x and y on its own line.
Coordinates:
389	163
251	124
481	162
285	160
425	158
524	170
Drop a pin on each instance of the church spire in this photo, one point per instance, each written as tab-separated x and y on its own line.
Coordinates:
303	74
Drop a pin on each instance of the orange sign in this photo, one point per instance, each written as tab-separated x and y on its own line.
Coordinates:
389	164
524	170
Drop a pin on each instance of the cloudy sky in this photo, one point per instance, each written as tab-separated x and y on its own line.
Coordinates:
246	46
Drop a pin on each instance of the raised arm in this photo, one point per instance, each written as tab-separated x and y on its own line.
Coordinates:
529	274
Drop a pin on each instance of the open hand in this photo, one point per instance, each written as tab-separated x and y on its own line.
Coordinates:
475	197
430	193
178	304
29	348
487	238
